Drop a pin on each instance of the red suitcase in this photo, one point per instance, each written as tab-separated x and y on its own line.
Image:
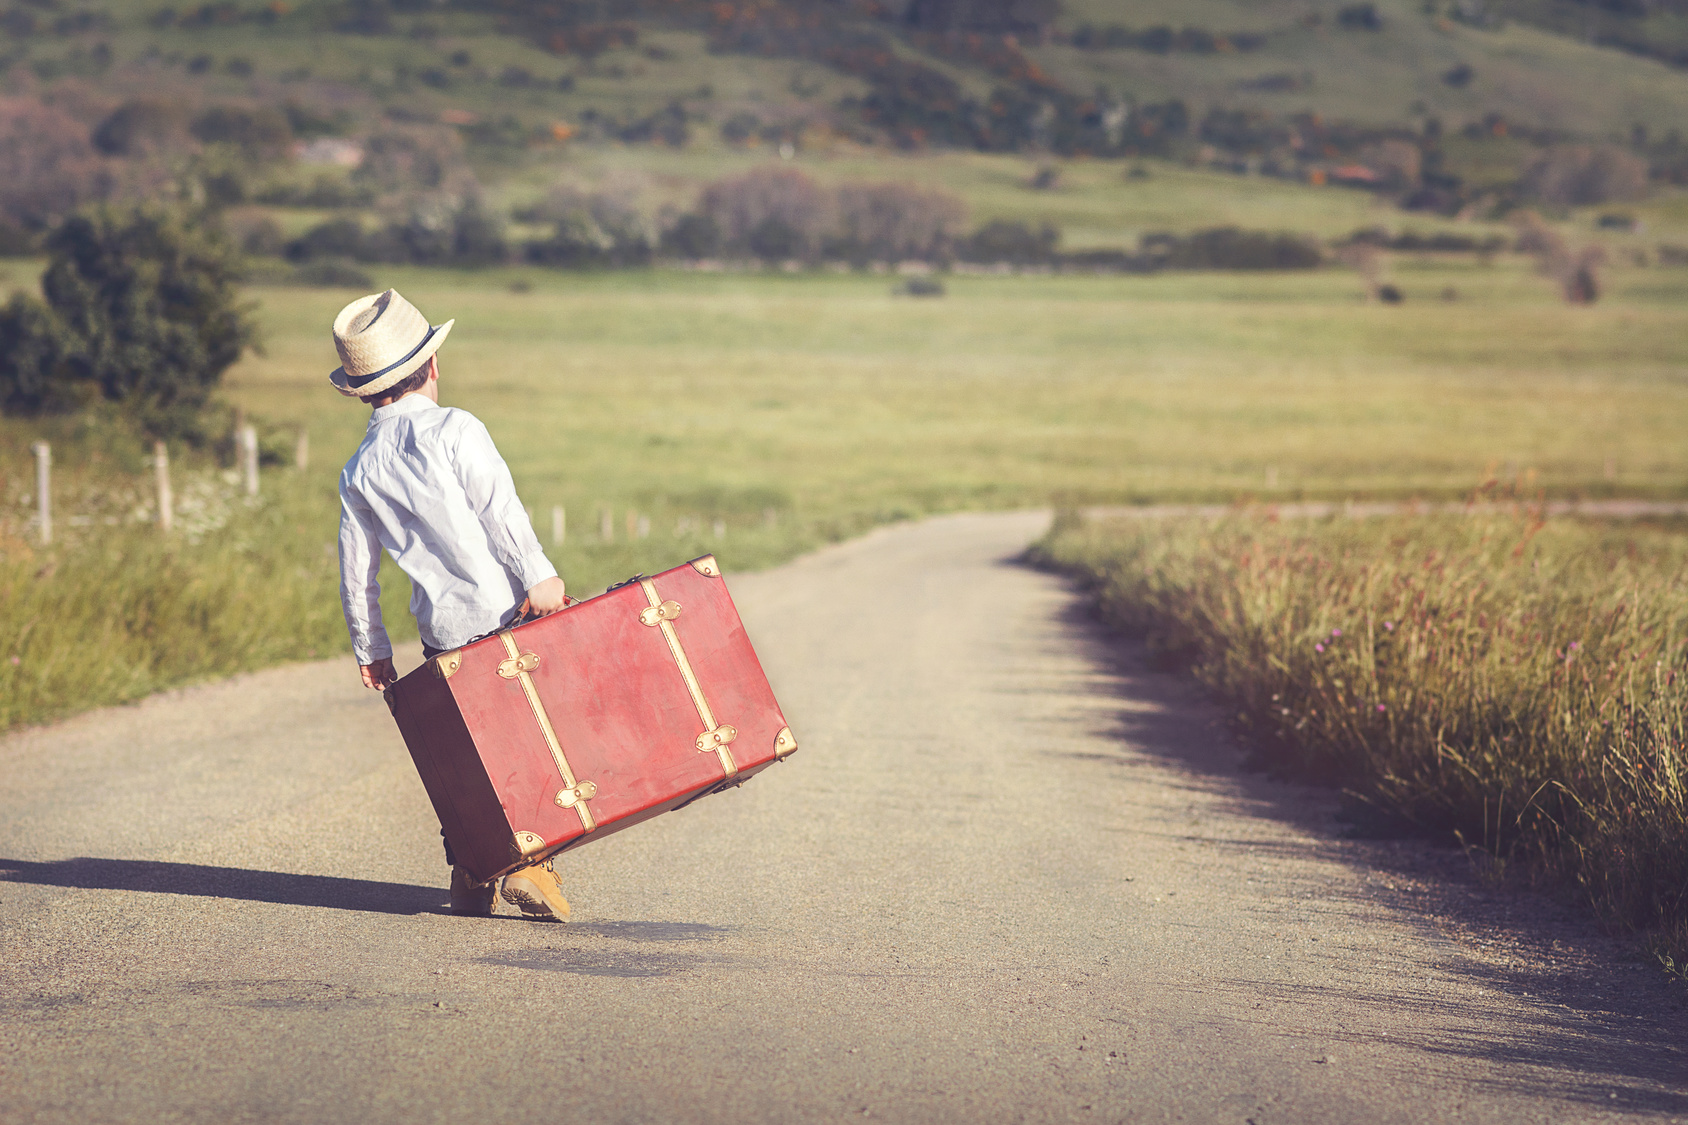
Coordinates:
588	721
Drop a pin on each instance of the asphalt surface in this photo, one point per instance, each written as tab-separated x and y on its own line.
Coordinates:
1010	876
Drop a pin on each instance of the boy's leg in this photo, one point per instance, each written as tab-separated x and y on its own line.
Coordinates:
466	897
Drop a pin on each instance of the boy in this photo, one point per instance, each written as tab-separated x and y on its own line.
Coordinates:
428	485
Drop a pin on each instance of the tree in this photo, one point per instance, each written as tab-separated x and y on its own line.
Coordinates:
33	348
47	165
141	309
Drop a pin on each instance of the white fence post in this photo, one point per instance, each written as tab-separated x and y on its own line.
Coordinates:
166	502
43	489
559	525
302	451
606	524
249	457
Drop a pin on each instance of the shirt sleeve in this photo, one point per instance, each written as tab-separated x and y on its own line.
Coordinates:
360	586
492	497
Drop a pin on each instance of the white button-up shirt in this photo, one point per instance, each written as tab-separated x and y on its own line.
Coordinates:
428	485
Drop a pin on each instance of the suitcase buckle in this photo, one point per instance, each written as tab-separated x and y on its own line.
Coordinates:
568	798
711	741
516	665
655	615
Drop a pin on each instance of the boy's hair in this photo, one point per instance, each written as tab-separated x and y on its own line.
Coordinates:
411	382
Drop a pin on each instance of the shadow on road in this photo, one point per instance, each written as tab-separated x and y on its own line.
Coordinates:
1594	1029
157	877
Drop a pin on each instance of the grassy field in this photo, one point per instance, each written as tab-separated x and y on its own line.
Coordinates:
1517	684
793	410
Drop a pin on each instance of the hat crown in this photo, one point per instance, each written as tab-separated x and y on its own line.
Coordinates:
374	332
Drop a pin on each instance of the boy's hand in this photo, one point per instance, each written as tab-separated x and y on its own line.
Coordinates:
546	597
379	674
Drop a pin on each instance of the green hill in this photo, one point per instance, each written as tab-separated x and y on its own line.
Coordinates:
677	92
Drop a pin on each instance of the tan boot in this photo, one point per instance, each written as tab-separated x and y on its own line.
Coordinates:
467	898
537	891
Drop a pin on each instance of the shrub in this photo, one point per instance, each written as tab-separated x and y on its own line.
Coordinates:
1230	248
33	349
770	212
1360	17
1014	243
418	158
260	134
591	230
890	222
141	309
143	127
1576	175
692	237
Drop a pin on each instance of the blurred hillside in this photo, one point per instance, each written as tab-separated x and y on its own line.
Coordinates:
1451	108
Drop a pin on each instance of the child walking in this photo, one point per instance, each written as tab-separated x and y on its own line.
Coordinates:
428	485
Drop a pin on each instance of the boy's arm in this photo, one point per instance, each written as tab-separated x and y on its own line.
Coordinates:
492	494
360	591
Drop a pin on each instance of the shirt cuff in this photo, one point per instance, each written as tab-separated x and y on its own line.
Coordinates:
534	568
376	648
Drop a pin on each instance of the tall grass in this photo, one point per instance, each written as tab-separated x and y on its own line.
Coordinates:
1514	682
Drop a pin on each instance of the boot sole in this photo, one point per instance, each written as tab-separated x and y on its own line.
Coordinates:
533	905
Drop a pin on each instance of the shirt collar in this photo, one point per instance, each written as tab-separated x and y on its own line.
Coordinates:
412	403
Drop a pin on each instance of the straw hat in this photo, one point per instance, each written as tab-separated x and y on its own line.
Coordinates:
382	340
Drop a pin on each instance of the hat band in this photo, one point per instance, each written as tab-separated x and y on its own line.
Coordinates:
361	380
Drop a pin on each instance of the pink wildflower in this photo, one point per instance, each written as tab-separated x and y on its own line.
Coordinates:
1319	647
1381	707
1336	632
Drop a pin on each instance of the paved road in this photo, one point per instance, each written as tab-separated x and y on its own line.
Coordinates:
1010	877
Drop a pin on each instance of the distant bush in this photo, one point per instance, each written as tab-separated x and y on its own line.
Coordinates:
1360	17
141	309
1577	175
892	222
1164	40
1230	248
692	237
331	274
436	233
143	127
327	190
1013	243
771	213
260	134
413	158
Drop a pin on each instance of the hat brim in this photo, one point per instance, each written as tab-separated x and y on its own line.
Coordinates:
431	344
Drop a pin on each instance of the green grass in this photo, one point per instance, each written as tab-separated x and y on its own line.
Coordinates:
800	409
1519	685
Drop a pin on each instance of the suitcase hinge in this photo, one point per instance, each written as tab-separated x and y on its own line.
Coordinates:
574	794
714	736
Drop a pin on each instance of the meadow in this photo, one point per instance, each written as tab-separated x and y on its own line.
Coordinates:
759	415
1518	684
